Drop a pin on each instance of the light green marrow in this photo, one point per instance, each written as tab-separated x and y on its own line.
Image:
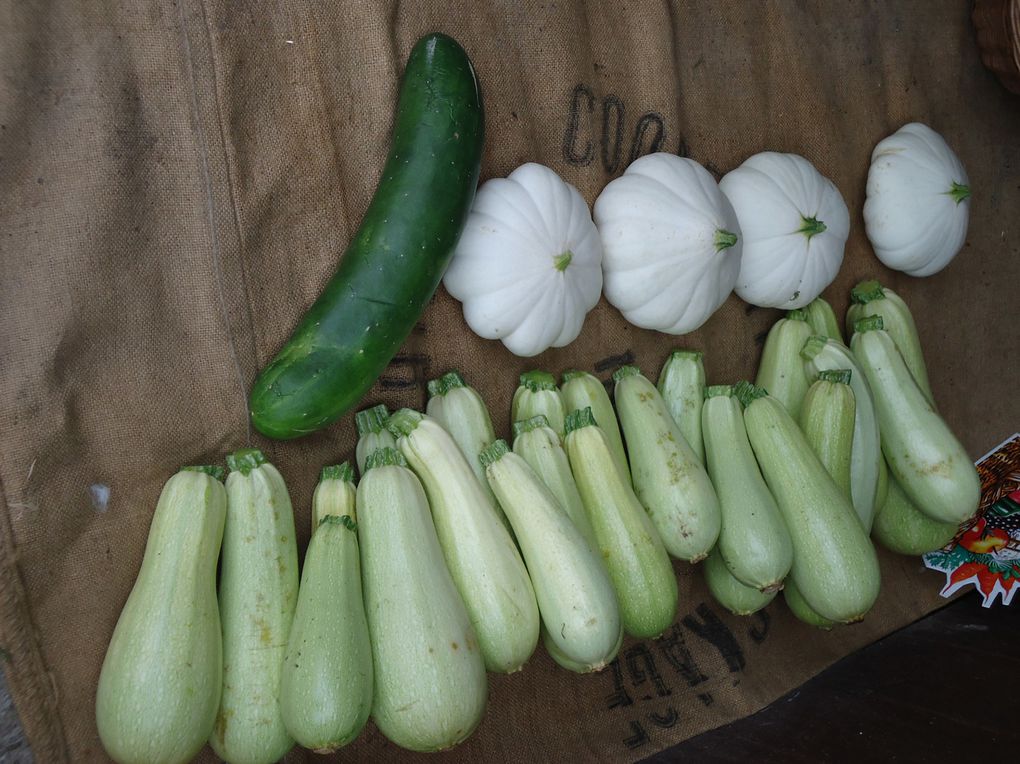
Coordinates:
729	592
822	320
799	607
682	386
827	421
574	592
753	539
902	528
538	394
541	448
820	355
326	686
430	683
781	370
159	688
258	592
870	298
462	413
372	433
924	456
638	563
481	555
834	564
668	478
582	390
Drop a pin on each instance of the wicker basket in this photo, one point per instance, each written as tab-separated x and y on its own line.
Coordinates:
998	35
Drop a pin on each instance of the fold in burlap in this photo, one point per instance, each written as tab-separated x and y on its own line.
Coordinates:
178	179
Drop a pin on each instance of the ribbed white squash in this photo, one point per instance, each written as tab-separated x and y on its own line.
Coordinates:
671	243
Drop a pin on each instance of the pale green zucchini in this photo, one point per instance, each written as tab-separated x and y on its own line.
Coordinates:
799	607
429	674
902	528
669	480
481	555
821	354
924	456
159	688
834	564
638	563
870	298
583	390
822	320
326	685
575	595
372	433
462	413
753	539
538	394
682	386
729	592
882	494
258	592
781	370
827	421
541	448
334	494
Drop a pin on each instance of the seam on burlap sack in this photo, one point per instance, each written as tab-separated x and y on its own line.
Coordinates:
31	685
204	155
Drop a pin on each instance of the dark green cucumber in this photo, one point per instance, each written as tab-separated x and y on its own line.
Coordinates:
397	257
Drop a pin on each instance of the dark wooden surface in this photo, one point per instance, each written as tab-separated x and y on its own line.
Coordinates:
946	688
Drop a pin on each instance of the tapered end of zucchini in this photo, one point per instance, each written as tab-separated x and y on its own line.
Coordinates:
527	425
685	355
345	520
493	453
446	383
796	314
245	460
342	472
718	391
579	418
573	374
866	291
404	422
385	457
626	371
813	347
839	376
538	380
371	420
868	324
747	392
213	470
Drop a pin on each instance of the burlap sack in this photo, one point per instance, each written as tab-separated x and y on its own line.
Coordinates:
177	180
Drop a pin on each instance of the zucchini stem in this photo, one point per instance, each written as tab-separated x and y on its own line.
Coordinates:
536	380
718	391
748	392
214	470
527	425
579	418
385	457
866	291
342	472
371	420
245	460
444	384
494	452
868	324
404	422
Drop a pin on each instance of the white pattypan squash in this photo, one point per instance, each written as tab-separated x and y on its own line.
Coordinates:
671	243
918	201
528	266
795	225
